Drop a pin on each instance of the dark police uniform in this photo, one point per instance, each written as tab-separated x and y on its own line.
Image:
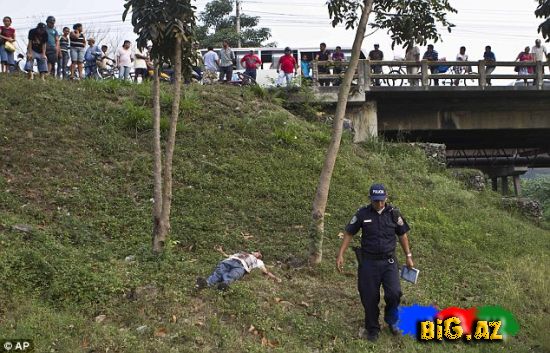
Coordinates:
378	263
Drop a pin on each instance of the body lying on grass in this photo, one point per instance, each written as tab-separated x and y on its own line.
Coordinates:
233	268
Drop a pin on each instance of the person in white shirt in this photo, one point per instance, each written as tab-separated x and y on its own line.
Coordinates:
461	56
211	66
539	52
124	58
233	268
140	64
412	54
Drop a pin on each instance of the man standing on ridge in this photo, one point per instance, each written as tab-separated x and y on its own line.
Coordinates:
288	65
53	51
379	223
226	62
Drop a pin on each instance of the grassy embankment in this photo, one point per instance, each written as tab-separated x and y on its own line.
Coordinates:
76	166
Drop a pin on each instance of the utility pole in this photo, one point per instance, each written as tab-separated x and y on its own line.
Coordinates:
238	22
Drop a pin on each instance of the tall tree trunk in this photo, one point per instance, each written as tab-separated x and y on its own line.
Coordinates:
169	154
317	228
157	167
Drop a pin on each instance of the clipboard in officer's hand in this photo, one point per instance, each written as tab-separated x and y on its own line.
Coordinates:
409	275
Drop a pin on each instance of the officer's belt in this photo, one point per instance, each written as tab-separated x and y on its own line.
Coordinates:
363	255
367	256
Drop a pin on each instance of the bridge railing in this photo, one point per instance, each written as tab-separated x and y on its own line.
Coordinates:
425	73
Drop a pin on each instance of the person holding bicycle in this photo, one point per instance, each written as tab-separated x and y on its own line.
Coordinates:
251	62
90	57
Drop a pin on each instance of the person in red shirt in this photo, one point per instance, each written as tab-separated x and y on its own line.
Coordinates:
288	65
251	62
7	34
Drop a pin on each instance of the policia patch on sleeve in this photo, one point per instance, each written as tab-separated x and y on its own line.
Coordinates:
396	216
353	220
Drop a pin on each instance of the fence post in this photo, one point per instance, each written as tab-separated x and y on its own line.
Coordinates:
425	79
482	81
315	73
368	80
540	73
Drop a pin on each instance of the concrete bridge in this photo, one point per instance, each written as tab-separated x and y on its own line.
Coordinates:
502	129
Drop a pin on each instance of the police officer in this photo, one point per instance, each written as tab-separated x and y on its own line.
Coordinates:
379	223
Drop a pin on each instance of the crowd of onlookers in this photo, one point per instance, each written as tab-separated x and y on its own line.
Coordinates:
67	54
71	54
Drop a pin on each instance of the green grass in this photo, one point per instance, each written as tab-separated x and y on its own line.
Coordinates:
76	165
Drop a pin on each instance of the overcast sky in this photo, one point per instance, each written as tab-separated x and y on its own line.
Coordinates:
507	25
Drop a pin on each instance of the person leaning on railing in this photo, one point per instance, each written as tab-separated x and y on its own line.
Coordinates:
323	55
338	57
376	54
461	56
432	55
412	54
489	58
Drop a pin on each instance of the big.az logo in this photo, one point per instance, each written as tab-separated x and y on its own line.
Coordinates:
428	324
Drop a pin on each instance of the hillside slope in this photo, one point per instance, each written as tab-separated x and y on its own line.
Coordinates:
76	167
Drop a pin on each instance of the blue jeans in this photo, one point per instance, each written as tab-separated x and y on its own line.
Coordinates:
124	72
7	57
227	271
90	67
251	73
40	61
62	64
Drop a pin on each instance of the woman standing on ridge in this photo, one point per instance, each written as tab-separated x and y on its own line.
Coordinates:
7	35
78	49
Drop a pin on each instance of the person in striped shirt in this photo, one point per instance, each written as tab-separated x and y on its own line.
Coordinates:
78	49
64	56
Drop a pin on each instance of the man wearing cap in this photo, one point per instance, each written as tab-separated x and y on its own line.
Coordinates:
287	67
379	224
93	53
233	268
53	50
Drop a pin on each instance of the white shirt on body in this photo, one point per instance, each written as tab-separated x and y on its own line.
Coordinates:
248	261
124	57
140	63
210	60
539	53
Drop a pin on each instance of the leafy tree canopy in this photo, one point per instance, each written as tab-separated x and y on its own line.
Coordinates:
160	22
543	11
407	21
218	23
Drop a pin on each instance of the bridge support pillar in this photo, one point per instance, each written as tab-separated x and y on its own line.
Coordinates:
505	172
365	121
494	184
504	185
517	185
